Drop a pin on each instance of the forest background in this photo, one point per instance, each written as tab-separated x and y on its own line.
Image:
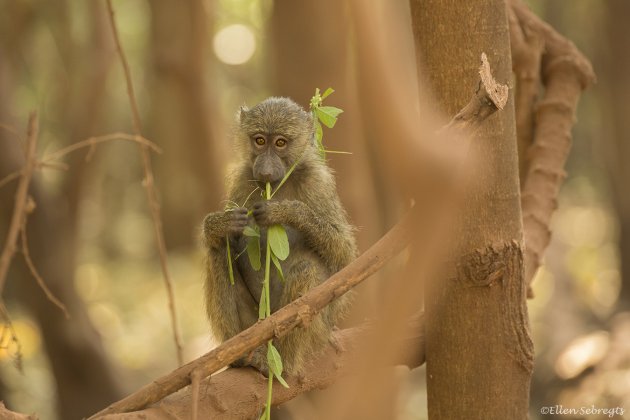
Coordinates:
193	64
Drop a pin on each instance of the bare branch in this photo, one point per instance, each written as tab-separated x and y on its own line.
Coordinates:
21	198
220	401
40	281
150	187
90	142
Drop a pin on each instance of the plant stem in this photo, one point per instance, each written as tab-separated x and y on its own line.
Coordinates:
268	308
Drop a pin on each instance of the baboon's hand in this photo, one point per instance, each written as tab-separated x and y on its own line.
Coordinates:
236	220
267	213
219	224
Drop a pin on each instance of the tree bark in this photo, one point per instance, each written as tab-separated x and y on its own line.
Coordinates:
479	352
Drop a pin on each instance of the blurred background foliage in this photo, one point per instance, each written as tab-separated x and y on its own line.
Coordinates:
193	64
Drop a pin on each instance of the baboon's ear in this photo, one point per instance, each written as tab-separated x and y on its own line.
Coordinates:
241	113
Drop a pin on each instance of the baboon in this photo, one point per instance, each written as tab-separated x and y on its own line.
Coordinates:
269	139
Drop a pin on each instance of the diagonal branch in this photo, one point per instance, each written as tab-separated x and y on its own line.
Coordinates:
218	401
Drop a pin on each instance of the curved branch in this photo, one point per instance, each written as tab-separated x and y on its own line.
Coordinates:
566	72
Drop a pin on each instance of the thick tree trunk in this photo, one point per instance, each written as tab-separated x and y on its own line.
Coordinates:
479	351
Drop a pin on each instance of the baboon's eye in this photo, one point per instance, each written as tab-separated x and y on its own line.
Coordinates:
281	142
260	141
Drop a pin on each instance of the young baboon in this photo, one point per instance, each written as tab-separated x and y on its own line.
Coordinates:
269	139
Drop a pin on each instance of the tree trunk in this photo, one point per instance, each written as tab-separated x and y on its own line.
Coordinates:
479	351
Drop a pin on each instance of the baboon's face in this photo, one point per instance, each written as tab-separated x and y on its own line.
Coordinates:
270	149
277	130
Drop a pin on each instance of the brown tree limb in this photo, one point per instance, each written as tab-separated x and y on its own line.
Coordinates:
149	185
527	49
218	400
21	199
298	312
566	72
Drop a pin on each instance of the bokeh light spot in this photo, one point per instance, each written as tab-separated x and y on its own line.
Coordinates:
234	44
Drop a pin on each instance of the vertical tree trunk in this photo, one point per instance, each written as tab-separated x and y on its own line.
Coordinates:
479	352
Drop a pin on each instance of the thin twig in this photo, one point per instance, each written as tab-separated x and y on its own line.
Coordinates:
12	176
149	185
21	198
93	141
90	142
40	281
12	130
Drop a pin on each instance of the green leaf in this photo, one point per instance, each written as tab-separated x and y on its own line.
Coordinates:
253	252
319	132
282	381
229	258
262	306
278	240
278	266
327	93
274	360
249	231
328	115
275	364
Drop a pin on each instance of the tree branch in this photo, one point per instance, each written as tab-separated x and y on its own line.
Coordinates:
219	401
566	72
150	188
21	199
